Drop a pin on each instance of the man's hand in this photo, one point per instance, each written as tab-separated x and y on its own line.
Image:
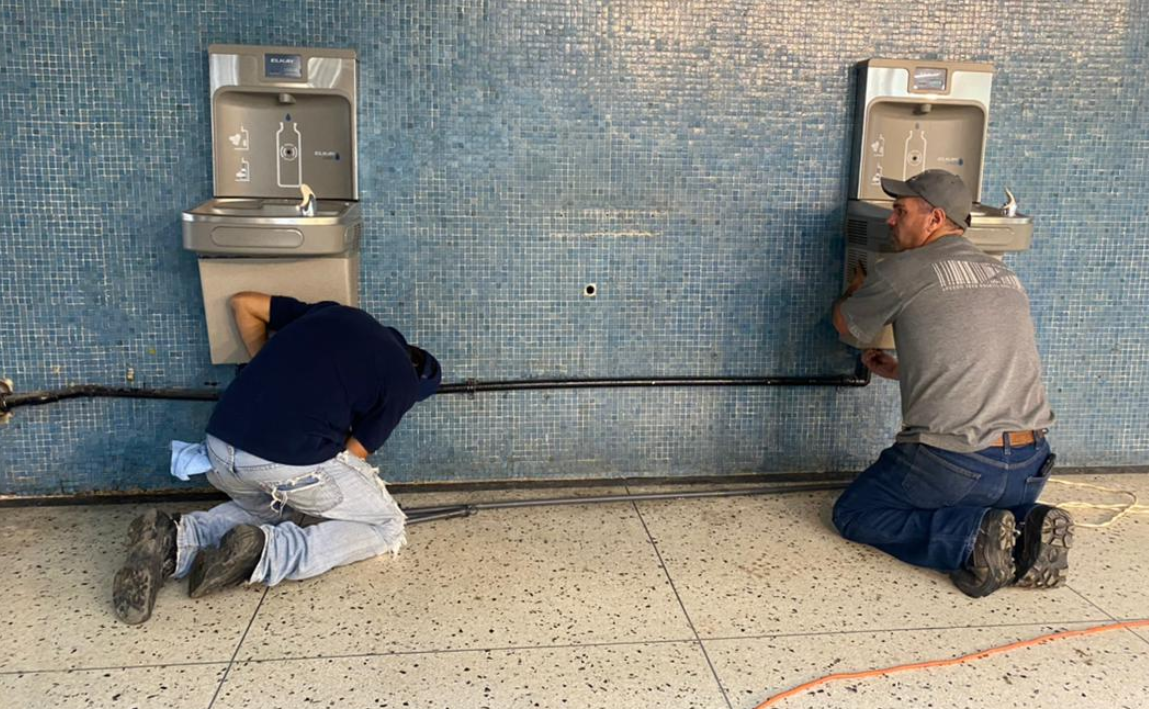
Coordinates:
880	363
252	313
856	281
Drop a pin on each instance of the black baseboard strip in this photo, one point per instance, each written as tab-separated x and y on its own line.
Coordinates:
174	495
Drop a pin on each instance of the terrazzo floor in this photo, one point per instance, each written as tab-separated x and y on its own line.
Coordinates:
715	603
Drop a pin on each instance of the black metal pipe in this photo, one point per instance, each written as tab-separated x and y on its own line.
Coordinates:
460	511
417	515
860	378
39	398
471	386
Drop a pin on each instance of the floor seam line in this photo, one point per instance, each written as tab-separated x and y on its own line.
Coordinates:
1001	626
454	651
1138	635
685	613
231	663
113	667
1113	617
1083	597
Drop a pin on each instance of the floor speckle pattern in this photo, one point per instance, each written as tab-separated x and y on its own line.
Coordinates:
708	603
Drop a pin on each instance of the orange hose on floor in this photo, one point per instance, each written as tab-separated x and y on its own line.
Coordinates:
955	661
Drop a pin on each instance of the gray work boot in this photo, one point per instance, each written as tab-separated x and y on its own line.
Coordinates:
1043	549
151	559
233	563
990	566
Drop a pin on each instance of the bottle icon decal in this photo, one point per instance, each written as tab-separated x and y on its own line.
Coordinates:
876	178
879	146
915	152
240	141
289	146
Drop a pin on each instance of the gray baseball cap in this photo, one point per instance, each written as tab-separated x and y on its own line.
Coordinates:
943	190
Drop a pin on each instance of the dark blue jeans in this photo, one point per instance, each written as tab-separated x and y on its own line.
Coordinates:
924	505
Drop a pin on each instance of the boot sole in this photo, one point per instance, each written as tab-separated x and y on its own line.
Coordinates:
1001	546
1004	546
136	584
146	523
135	587
229	565
1049	552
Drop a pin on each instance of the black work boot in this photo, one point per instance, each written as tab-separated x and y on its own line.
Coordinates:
151	559
990	566
1043	549
238	554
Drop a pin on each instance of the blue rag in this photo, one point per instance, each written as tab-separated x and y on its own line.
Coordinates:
189	459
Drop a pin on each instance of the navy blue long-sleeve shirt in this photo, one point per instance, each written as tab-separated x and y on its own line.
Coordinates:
330	371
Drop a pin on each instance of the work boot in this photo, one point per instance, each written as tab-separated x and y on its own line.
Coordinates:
990	565
1043	549
151	559
231	564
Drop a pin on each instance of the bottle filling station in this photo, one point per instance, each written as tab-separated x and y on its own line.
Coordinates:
914	116
285	218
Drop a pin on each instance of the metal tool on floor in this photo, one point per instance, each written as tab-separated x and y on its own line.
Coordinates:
417	515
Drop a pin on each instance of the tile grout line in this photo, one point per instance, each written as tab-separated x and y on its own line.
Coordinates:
666	571
1138	635
105	668
1083	597
528	648
1111	616
351	655
238	645
916	629
461	650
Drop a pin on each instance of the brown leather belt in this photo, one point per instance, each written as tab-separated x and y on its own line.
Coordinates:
1018	438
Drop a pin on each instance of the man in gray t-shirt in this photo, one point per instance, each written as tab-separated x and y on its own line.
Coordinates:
971	459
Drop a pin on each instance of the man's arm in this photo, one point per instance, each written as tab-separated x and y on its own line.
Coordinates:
876	361
856	283
839	319
252	313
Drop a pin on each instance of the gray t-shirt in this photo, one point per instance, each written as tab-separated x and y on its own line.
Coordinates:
968	364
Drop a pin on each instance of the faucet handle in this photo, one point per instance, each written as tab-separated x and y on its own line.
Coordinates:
307	204
1010	206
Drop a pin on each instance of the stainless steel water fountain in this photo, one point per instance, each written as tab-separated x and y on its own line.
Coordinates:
913	116
285	217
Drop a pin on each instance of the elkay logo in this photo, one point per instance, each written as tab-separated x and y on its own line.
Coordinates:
283	65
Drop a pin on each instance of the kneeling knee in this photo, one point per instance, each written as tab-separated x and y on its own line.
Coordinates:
842	517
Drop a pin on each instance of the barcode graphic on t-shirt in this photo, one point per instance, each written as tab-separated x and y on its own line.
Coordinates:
975	274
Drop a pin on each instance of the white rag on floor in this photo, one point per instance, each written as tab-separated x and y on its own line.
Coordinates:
189	459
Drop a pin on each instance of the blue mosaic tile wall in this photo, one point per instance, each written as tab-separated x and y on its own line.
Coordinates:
688	158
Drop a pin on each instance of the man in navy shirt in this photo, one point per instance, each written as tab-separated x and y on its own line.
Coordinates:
288	440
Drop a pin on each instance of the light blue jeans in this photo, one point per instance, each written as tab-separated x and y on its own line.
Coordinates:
360	520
